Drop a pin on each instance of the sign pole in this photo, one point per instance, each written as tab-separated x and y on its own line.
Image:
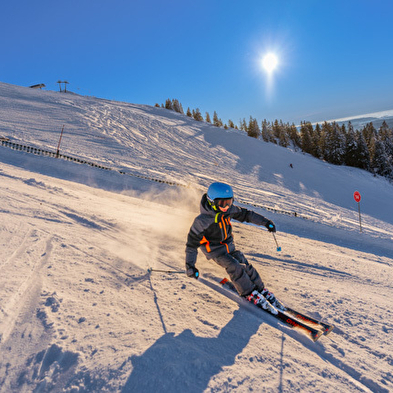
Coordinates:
360	217
357	197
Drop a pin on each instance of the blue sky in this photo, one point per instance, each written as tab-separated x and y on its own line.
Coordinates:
335	57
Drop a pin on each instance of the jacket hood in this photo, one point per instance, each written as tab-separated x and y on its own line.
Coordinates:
206	208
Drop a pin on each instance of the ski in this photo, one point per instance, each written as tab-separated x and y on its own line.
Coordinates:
327	328
287	319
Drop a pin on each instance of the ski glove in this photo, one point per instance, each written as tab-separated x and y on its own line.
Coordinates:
192	271
270	226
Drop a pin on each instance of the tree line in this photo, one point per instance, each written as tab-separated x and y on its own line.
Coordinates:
369	148
176	106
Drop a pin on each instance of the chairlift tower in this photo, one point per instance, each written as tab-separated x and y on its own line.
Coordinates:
65	85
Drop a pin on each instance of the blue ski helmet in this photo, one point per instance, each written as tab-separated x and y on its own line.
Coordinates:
219	191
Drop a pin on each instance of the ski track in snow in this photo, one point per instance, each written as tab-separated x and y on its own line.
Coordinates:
78	310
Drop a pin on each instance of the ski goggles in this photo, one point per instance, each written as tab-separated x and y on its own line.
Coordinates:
224	202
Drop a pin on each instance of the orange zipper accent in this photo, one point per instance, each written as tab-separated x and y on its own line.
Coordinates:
207	243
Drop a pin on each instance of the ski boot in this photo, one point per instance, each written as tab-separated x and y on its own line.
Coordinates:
261	301
272	299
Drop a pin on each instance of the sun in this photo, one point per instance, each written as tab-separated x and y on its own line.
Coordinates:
270	62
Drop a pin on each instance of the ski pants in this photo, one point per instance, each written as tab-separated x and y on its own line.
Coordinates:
243	275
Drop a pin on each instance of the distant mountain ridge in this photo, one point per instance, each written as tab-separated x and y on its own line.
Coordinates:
377	118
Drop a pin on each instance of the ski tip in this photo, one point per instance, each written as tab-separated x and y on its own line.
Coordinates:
328	330
315	335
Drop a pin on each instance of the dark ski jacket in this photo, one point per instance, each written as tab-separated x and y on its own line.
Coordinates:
212	230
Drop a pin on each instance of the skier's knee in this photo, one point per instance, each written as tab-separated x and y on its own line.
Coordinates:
235	271
240	257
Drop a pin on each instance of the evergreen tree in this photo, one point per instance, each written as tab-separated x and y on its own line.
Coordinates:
380	163
276	128
362	153
231	124
189	114
316	139
281	134
325	130
370	135
306	141
335	145
207	118
168	104
267	132
216	121
351	148
177	107
197	115
386	135
384	129
253	128
294	136
243	125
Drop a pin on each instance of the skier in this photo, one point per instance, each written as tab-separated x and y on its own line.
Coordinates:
212	231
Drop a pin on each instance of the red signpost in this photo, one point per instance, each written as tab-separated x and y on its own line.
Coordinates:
358	197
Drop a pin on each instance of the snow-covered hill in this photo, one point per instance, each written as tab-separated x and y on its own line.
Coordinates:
78	310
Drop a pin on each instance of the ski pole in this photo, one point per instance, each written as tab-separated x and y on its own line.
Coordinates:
150	269
278	247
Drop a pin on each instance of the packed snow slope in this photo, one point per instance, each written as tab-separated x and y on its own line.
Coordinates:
80	312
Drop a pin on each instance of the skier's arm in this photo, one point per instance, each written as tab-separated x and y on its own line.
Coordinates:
191	257
192	245
244	215
194	238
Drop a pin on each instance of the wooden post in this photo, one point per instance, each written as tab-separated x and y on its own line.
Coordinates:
58	146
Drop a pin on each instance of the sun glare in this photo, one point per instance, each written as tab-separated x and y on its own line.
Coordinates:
270	62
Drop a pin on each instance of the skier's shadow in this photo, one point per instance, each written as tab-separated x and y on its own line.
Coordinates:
186	363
